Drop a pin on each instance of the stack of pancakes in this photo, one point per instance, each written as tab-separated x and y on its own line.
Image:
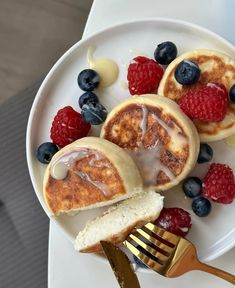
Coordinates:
147	145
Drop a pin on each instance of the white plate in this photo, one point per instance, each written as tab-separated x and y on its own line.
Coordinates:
213	235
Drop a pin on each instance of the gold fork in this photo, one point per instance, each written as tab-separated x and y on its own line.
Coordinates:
168	254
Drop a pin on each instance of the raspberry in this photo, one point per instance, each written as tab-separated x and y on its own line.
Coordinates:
175	220
208	103
219	184
68	126
143	75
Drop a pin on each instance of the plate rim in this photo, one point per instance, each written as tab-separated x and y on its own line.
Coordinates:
211	255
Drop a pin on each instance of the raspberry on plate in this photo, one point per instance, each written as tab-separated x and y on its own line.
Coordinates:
175	220
219	184
143	75
68	126
208	103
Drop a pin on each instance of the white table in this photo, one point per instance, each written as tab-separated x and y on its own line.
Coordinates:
66	268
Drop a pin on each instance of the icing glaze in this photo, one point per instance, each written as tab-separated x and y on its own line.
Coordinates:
101	186
60	168
148	159
106	68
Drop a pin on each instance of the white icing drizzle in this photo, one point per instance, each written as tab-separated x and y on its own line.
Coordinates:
94	160
148	159
144	122
106	68
149	163
99	185
60	168
59	171
176	138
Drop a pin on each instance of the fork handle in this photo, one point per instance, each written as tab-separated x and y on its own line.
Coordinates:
215	271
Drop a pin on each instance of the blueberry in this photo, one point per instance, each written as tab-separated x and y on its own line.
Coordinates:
139	262
232	93
94	113
88	80
46	151
205	153
201	206
187	72
165	52
87	98
192	187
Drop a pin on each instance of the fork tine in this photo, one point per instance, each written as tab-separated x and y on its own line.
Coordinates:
151	252
155	241
145	259
160	252
165	235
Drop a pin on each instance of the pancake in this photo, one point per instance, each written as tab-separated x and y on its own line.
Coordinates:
118	221
215	67
91	172
161	139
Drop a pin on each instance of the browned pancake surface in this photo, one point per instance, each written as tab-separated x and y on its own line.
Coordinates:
124	130
215	75
76	192
214	70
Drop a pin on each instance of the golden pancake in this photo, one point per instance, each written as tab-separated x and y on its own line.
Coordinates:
161	139
90	172
215	67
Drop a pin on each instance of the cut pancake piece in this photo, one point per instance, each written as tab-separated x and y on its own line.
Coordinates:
91	172
215	67
116	223
160	138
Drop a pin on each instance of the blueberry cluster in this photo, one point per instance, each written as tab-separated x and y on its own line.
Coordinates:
192	186
92	111
186	73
